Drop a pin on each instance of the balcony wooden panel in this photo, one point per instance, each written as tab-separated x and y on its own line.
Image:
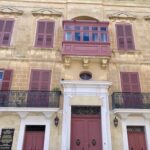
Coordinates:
86	49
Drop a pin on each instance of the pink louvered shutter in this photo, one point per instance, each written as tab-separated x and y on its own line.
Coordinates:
34	80
1	30
125	82
49	34
41	26
120	36
7	32
7	79
45	80
129	37
135	84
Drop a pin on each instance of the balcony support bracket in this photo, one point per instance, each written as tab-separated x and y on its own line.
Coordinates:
67	62
104	62
85	62
22	115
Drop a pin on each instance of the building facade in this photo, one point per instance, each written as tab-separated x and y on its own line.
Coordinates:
74	75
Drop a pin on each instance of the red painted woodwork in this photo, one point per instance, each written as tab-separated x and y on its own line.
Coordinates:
86	130
34	140
125	40
6	27
99	46
136	140
39	81
44	34
130	83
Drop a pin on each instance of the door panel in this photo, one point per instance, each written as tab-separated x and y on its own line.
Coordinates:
87	131
34	140
136	140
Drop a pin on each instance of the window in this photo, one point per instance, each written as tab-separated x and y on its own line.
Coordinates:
125	39
45	34
85	75
1	75
82	33
6	27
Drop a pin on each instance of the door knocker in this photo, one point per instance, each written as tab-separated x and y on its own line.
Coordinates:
93	142
78	142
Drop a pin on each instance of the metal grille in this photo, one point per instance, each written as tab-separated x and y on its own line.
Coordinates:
135	129
85	110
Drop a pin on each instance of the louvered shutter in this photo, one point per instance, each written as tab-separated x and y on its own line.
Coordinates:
49	34
7	32
125	82
7	79
120	36
1	29
129	37
41	26
135	84
35	80
45	80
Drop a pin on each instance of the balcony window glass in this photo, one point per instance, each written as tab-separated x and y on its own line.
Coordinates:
85	28
68	36
94	28
1	75
77	27
103	37
103	29
86	37
77	36
95	37
69	27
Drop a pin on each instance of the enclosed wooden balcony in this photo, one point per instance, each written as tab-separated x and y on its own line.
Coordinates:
127	100
48	99
85	38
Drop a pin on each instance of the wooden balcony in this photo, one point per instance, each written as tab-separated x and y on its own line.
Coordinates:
86	49
128	100
48	99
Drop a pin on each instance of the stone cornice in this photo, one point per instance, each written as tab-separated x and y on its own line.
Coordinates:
122	15
47	12
10	10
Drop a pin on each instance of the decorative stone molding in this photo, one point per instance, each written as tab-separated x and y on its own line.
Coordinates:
104	62
67	62
10	10
23	115
47	12
85	62
147	18
122	15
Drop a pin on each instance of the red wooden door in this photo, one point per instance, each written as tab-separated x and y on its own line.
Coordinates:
34	140
39	88
136	140
86	133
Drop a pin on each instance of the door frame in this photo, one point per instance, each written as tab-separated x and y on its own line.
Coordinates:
34	120
95	90
130	121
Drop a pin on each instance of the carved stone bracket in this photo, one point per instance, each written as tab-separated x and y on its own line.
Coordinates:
10	10
47	12
85	62
122	15
67	61
104	62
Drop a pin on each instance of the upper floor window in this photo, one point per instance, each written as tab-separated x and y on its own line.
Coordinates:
125	40
44	34
82	31
6	28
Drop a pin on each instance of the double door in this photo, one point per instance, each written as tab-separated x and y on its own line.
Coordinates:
86	133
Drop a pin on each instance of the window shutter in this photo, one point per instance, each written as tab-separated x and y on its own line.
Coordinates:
135	84
7	32
49	34
125	82
1	29
40	33
6	84
45	80
120	36
34	80
129	37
